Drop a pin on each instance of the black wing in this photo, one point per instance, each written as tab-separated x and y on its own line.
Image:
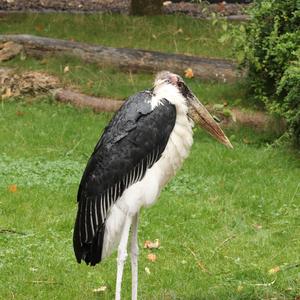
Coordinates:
132	142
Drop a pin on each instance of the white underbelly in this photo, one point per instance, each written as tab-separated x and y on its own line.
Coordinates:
146	191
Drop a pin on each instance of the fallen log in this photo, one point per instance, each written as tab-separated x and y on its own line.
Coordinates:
81	100
259	121
129	59
32	83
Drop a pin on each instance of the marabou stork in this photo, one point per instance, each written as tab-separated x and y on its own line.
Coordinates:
140	150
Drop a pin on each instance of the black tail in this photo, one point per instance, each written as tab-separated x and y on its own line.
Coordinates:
89	251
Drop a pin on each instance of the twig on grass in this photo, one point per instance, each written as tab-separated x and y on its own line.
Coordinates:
222	244
44	282
4	230
200	264
295	192
264	284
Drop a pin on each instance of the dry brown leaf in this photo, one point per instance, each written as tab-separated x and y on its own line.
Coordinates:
246	141
151	257
39	27
274	270
152	245
8	93
257	226
20	113
188	73
66	69
12	188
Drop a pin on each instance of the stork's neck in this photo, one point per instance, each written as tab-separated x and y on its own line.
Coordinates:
172	94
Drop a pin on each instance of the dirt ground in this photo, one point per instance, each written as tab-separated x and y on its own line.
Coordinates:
198	10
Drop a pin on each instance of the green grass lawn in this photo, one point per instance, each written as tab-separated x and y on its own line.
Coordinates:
226	219
195	37
172	34
98	81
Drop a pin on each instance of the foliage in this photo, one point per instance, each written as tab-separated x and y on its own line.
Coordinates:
289	87
269	46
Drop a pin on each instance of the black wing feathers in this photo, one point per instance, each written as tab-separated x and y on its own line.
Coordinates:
132	142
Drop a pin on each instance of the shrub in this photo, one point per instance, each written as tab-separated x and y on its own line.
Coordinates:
270	47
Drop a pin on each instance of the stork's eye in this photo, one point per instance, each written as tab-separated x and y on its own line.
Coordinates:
180	84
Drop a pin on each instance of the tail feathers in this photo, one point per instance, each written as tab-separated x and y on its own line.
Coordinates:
90	252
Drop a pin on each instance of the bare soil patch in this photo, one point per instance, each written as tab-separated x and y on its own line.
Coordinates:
198	10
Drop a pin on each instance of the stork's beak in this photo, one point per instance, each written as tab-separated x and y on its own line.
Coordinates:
199	114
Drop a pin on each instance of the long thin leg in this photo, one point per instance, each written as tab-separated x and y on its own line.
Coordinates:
122	255
134	256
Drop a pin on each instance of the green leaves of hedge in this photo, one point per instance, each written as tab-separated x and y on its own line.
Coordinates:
271	47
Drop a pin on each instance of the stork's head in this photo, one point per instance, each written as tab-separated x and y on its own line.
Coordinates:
196	110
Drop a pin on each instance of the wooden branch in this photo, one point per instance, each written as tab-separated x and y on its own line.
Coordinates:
256	120
129	59
81	100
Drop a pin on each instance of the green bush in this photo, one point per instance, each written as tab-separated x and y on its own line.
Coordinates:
270	48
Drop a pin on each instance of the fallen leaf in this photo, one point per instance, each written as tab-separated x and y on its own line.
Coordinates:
221	6
166	3
152	245
8	93
188	73
257	226
20	113
147	270
33	269
233	116
66	69
100	289
274	270
39	27
12	188
240	288
246	141
151	257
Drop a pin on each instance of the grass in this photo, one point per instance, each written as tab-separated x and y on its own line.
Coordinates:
195	37
172	34
105	82
224	221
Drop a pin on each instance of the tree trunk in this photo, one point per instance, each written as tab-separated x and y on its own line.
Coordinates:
146	7
129	59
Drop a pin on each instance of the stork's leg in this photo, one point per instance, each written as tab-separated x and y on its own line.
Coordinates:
134	256
122	255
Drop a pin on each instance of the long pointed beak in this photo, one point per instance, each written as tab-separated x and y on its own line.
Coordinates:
199	114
